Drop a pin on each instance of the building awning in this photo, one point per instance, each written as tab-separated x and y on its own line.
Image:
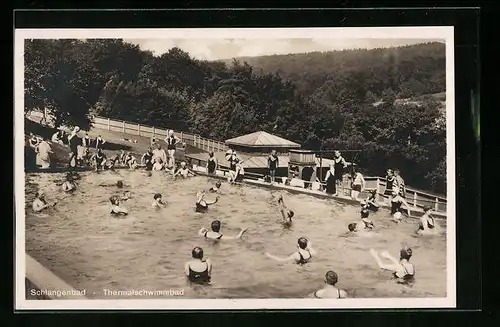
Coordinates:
262	139
252	161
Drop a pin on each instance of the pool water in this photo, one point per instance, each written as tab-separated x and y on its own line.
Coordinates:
90	249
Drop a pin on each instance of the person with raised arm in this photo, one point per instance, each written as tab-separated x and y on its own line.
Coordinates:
402	270
215	234
201	203
184	171
116	210
304	253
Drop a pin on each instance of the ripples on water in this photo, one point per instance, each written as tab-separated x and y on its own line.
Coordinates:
87	247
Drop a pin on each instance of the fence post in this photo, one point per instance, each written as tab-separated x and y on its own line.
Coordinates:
139	129
378	189
109	128
182	137
154	133
123	126
436	205
414	199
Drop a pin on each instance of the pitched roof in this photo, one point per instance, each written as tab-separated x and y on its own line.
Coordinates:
262	139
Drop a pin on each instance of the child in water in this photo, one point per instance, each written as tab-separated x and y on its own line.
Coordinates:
157	201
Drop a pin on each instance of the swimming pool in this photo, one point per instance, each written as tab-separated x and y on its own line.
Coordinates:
90	249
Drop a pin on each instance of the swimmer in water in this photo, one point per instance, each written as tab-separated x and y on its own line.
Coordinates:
116	209
214	233
112	162
147	159
403	271
198	270
330	291
126	195
399	206
201	204
131	161
285	212
68	186
40	203
304	253
157	201
215	188
427	224
184	171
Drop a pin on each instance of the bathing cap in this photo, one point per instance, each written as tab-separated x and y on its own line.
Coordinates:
405	253
119	183
291	213
113	199
215	225
197	253
218	184
427	208
331	277
302	242
157	196
351	227
397	215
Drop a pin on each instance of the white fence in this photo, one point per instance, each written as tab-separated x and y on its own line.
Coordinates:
151	131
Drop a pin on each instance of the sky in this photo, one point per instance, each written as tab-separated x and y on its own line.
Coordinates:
217	49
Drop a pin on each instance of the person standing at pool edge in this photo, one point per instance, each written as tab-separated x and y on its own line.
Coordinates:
43	153
215	233
171	141
340	165
272	164
198	270
331	181
211	163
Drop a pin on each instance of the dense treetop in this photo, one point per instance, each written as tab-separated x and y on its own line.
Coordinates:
378	101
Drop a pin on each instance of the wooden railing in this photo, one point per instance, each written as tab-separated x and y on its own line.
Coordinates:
152	131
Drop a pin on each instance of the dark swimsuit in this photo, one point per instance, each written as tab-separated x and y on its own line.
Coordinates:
74	143
211	165
199	277
339	168
171	142
396	207
388	185
148	160
302	259
273	163
200	207
365	212
99	159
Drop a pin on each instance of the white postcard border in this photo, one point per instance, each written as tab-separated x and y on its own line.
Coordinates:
441	32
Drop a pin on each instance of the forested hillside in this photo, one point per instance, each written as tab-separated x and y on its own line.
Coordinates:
321	100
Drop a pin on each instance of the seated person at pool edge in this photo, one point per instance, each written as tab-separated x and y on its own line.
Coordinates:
98	160
201	204
285	212
215	234
116	209
157	201
330	291
303	255
402	270
198	270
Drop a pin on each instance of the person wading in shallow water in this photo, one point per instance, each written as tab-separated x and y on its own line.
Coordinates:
198	270
330	291
201	204
215	234
304	253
